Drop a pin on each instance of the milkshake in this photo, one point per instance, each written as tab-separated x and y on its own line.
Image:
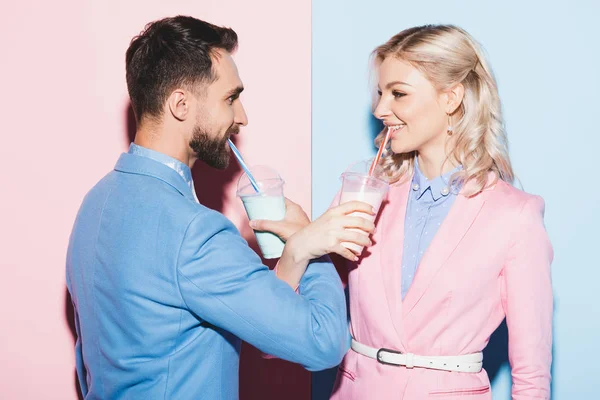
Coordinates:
267	204
365	188
268	208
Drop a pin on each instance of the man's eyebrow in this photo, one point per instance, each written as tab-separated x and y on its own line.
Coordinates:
235	91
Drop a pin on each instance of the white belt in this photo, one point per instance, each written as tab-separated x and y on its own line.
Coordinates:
465	363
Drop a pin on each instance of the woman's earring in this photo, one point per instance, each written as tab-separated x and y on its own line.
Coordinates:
449	125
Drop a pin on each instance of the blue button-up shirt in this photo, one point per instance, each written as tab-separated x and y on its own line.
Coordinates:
428	205
176	165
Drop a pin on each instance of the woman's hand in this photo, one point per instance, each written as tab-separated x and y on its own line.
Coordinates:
294	220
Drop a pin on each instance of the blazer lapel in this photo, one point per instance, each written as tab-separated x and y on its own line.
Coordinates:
392	238
456	224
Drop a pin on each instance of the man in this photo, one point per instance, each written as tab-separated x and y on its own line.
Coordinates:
164	289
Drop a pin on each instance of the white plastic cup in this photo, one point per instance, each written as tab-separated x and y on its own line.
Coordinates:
268	204
360	186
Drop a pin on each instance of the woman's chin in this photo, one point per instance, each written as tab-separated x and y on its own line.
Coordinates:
399	148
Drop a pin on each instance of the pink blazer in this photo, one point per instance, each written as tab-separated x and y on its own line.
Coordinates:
490	259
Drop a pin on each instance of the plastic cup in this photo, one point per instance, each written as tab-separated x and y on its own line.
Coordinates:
268	204
359	185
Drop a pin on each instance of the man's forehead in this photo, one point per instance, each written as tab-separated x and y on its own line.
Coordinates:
226	70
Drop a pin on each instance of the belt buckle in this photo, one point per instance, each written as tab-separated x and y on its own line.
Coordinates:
380	360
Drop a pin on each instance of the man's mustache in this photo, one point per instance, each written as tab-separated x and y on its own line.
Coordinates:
234	130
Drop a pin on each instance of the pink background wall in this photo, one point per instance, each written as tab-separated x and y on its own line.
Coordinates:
65	119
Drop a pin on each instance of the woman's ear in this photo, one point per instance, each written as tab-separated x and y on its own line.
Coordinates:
455	97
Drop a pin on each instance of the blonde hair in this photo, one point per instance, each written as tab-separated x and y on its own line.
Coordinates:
447	55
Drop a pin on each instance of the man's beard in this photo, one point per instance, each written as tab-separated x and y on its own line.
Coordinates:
213	151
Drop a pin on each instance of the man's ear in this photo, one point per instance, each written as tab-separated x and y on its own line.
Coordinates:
179	104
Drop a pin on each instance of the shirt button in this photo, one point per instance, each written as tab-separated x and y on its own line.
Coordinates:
415	187
445	191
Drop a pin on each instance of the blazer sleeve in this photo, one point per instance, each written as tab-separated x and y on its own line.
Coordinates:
528	304
224	282
79	363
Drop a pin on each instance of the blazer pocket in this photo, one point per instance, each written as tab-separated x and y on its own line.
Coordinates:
461	392
345	373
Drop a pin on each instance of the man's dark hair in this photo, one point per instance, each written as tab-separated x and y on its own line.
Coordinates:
170	53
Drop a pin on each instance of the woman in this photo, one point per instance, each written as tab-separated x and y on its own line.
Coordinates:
457	248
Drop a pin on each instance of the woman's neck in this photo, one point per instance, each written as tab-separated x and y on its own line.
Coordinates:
435	163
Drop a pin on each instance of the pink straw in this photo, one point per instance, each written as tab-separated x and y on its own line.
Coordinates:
381	147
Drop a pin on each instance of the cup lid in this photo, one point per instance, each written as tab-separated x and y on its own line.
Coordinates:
266	178
361	168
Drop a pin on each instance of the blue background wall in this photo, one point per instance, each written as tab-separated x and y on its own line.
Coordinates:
546	57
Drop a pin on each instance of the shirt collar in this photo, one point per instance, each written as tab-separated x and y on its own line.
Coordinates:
176	165
439	187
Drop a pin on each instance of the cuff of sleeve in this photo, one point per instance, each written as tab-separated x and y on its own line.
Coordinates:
296	289
265	355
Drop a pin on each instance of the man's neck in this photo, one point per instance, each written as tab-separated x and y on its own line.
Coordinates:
155	138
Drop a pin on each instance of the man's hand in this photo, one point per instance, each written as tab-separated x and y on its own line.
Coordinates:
307	241
326	234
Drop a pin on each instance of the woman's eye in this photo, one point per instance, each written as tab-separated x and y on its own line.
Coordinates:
398	94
